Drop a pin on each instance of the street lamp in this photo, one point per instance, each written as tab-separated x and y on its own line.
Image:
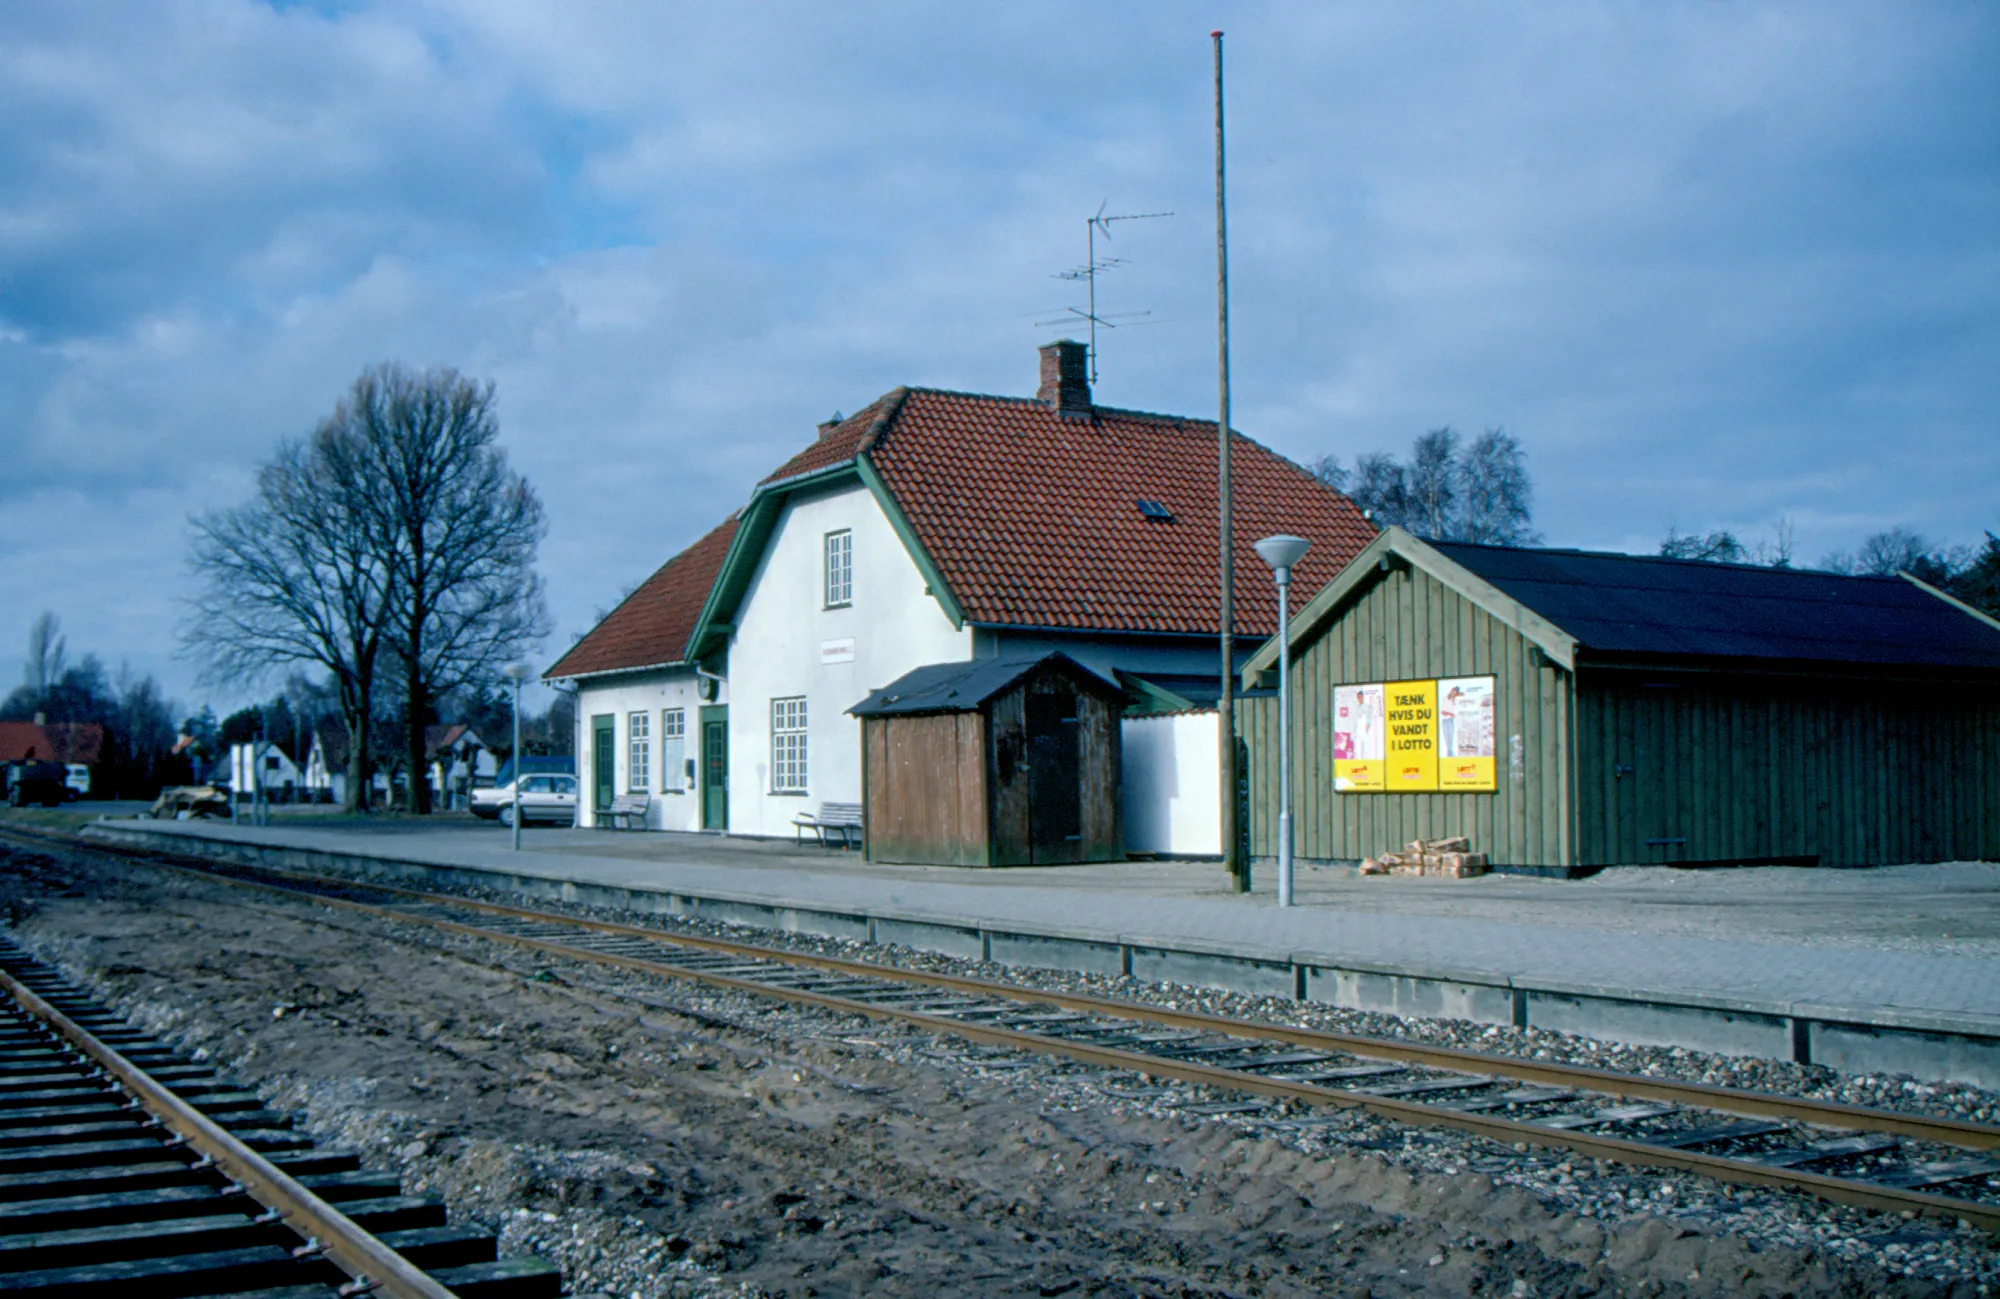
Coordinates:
517	673
1281	553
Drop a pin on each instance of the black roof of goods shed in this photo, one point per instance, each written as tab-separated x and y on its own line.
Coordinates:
1641	604
961	687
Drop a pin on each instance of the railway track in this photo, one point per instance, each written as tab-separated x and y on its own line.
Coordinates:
1875	1159
128	1168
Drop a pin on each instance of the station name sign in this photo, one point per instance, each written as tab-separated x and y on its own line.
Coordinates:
1414	737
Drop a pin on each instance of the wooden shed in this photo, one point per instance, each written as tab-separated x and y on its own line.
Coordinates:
993	762
1568	710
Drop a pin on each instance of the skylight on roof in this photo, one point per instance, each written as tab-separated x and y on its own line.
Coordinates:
1155	510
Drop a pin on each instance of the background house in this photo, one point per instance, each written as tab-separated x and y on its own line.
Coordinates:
1570	710
456	760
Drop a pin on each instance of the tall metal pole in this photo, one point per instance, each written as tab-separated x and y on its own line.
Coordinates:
517	762
1285	736
1235	862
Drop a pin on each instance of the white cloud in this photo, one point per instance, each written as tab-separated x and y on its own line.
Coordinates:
1714	265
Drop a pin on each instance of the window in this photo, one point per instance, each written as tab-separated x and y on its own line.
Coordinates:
788	746
839	568
673	750
639	752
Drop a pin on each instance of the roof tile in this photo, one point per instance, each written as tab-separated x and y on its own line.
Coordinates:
1033	519
652	625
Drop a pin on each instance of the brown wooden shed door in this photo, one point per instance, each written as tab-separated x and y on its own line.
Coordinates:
1055	815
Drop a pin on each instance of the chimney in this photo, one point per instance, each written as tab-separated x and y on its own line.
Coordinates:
827	426
1065	378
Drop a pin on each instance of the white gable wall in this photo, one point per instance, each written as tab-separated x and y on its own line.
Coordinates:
786	643
1172	784
676	799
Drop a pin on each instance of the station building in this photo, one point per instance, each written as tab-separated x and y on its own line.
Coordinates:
935	528
1567	710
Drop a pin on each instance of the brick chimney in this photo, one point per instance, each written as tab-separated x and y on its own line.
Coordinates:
1065	377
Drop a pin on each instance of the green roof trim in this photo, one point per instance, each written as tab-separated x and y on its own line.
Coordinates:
760	517
1146	699
918	555
1394	543
745	549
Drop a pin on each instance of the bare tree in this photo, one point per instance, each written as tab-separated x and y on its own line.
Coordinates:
1433	479
1330	471
1381	489
1718	547
1447	490
48	654
1495	496
294	577
458	530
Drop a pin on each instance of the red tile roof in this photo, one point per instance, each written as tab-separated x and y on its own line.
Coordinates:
76	741
19	740
1033	519
651	627
837	442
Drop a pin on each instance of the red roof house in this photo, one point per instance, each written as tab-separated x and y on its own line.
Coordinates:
934	526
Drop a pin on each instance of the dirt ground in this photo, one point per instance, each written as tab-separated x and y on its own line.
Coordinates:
657	1139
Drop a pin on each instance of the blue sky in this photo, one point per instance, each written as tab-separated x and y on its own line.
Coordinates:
1714	265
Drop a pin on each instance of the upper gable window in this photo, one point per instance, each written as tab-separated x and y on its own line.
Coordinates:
839	585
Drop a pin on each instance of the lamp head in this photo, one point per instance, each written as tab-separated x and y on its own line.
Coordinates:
1282	551
517	672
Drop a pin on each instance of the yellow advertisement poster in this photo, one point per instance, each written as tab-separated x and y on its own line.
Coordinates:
1465	739
1357	739
1411	741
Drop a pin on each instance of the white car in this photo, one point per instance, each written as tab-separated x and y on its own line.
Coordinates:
538	798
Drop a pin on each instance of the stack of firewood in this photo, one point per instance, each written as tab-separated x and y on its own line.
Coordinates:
1449	858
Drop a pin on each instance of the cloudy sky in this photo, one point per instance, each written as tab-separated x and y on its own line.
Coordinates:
1716	265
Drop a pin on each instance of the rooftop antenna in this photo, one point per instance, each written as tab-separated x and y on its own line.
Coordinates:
1088	273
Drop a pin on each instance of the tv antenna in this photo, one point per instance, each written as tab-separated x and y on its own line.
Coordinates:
1088	273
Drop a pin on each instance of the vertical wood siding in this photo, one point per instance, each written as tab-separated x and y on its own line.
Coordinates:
1848	771
925	788
1409	626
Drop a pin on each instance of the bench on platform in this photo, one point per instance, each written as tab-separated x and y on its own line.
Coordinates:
627	808
843	819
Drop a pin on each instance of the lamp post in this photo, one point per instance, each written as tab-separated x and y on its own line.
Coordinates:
517	673
1281	553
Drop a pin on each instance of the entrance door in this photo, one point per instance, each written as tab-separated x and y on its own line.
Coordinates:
715	768
603	762
1055	812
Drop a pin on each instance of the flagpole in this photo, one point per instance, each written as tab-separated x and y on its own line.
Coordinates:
1234	861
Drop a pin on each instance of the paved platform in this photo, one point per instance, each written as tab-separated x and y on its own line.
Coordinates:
1894	970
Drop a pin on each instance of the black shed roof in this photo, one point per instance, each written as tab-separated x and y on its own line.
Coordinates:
1639	604
962	687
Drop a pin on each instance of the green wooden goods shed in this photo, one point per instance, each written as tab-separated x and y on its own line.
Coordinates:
1647	711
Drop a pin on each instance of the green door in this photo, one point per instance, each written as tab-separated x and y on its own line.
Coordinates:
715	768
603	762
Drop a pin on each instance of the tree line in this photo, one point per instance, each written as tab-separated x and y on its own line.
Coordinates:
392	549
136	753
1450	488
1967	573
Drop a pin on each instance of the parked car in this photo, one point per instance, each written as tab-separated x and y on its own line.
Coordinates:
34	782
487	800
186	802
79	781
539	798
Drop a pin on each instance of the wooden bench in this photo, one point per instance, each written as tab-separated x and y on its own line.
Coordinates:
628	808
843	819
